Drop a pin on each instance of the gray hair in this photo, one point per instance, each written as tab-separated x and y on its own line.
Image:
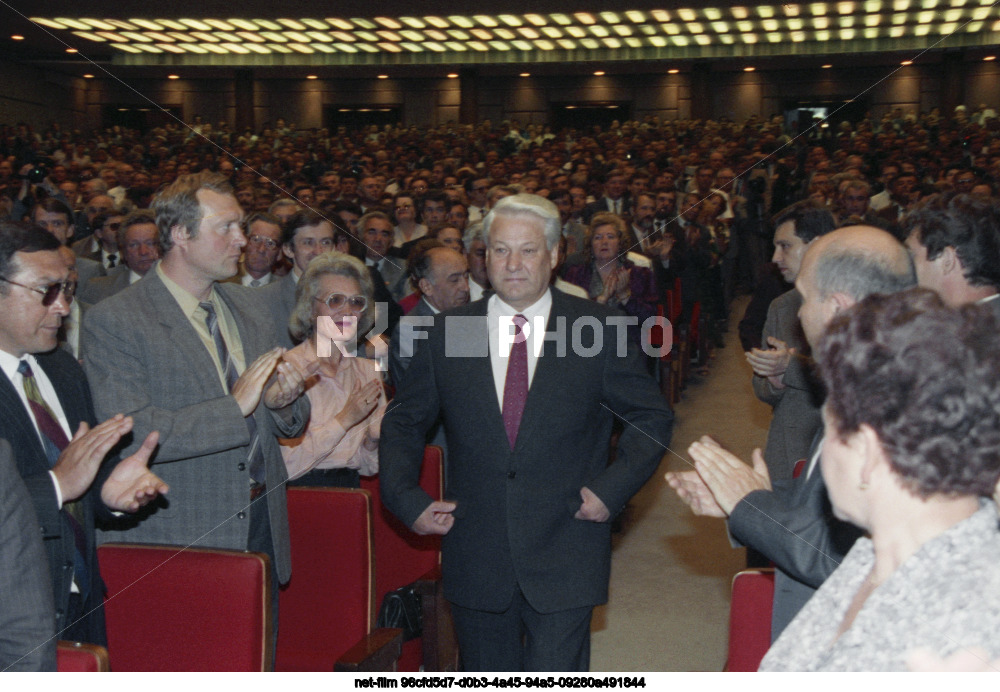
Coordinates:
526	204
858	274
332	263
473	233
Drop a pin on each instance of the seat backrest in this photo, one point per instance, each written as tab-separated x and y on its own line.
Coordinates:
186	609
328	604
79	657
750	619
402	556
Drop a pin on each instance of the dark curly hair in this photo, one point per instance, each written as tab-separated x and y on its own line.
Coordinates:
924	377
968	224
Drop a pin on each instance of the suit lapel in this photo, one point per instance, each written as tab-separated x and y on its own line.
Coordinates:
19	429
183	339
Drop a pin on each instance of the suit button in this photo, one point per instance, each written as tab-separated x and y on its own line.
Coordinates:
511	474
241	466
241	515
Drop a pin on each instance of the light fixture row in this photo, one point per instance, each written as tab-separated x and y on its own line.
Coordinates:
958	8
814	21
286	45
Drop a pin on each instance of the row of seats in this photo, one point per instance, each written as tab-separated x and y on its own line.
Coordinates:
171	609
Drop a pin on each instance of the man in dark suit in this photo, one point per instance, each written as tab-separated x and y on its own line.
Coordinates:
27	616
790	521
47	415
527	535
196	358
613	200
442	277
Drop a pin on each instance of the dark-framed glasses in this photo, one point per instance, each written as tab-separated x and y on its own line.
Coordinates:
337	301
51	291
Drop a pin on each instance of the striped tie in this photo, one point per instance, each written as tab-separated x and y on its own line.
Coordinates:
255	455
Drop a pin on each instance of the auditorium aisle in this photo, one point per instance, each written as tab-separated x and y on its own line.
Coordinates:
671	571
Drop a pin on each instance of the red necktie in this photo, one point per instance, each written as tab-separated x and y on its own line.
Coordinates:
515	388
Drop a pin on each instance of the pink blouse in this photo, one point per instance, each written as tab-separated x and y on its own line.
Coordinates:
325	444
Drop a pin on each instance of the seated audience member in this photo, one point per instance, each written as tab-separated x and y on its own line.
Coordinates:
376	233
440	278
284	209
305	236
475	254
261	251
407	229
334	302
610	278
911	455
450	236
55	217
106	225
139	242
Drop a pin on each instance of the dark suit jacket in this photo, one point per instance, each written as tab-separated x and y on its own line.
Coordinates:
603	204
407	337
514	524
17	427
27	616
793	526
144	359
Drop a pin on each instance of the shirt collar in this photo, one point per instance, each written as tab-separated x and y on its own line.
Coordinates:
540	308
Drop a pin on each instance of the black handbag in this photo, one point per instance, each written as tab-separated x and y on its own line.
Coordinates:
402	609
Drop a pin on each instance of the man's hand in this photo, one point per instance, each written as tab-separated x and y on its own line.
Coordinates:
132	485
692	490
249	387
728	478
436	520
78	463
771	363
289	384
592	508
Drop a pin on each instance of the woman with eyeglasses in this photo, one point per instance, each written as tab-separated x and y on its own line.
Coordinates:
334	307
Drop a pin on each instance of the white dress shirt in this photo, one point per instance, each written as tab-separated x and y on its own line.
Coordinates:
500	318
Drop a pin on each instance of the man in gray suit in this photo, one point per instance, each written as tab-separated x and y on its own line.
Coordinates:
139	243
375	230
306	234
782	371
27	614
790	521
196	359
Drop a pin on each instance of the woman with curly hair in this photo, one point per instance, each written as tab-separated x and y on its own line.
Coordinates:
911	454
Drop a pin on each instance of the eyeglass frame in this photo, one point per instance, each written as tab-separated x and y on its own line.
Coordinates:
51	291
346	298
257	239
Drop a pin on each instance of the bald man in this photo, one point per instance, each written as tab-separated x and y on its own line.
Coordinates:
790	521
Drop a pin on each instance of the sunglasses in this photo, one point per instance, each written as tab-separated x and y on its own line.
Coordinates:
50	292
337	301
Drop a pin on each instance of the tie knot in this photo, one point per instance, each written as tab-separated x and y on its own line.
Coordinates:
25	369
208	308
519	322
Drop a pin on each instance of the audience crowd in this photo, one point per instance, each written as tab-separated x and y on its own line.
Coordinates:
670	218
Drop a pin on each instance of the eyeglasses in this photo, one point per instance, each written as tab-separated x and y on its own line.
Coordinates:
50	292
337	301
259	240
404	206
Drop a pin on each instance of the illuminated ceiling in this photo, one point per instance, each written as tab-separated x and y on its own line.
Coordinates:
643	34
